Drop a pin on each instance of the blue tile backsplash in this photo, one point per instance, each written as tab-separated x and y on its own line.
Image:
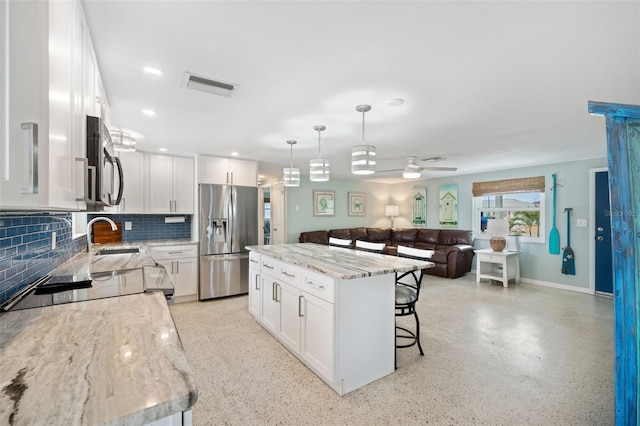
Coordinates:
150	227
25	242
25	247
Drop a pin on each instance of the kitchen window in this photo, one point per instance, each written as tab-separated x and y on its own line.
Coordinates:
520	201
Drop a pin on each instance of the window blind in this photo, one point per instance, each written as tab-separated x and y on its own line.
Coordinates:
509	186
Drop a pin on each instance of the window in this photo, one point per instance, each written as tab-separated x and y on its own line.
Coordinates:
520	201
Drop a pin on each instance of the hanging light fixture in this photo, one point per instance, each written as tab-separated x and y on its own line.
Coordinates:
291	175
122	141
363	157
319	167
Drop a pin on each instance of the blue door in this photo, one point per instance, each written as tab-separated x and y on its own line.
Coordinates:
604	258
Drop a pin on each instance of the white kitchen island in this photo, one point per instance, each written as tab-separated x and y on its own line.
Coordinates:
331	307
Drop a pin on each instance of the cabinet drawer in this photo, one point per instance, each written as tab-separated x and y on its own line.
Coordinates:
269	266
319	285
490	258
254	260
290	274
173	252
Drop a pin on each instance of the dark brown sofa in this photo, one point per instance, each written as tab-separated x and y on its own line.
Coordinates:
453	248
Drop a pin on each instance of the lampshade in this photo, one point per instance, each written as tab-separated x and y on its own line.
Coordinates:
319	167
363	157
291	175
392	210
498	226
410	173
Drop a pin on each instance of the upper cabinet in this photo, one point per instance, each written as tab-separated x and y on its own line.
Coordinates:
43	69
222	170
170	184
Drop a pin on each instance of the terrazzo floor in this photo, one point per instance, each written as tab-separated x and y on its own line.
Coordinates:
523	355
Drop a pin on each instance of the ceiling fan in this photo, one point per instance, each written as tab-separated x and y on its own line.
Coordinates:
413	171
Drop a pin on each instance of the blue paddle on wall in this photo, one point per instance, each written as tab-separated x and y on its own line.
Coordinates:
568	259
554	235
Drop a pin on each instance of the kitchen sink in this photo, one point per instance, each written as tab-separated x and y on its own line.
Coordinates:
127	250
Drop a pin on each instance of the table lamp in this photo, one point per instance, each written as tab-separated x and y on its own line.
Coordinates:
498	228
392	210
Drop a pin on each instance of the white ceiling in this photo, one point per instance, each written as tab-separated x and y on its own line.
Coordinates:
486	85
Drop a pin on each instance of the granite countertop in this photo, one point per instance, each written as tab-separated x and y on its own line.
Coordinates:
109	361
338	262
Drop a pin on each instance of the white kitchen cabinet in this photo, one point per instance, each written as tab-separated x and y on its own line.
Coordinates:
133	192
170	184
255	285
297	307
41	107
231	171
181	263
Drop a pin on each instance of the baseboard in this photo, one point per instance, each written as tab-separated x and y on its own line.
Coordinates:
559	286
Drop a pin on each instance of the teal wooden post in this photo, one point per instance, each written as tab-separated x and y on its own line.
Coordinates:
623	151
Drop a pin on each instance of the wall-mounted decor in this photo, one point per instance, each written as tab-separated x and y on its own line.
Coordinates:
448	216
419	206
323	203
357	204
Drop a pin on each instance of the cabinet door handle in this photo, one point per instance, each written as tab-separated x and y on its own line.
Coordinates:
231	173
228	177
177	267
300	305
33	157
273	290
257	281
85	179
312	284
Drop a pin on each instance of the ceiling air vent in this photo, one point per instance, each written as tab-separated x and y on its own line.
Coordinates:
208	85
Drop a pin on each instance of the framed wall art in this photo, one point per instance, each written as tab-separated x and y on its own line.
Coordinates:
448	214
419	206
357	204
324	203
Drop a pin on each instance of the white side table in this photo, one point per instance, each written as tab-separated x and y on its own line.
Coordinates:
487	261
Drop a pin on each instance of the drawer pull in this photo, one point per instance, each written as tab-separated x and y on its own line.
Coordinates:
288	274
253	261
312	284
176	252
267	266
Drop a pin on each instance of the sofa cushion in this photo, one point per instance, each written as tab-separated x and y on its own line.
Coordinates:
451	237
439	256
403	236
343	234
379	234
427	236
359	234
318	237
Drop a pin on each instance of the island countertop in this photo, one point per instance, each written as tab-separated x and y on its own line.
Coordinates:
338	262
109	361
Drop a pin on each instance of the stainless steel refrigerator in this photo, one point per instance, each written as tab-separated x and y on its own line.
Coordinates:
228	223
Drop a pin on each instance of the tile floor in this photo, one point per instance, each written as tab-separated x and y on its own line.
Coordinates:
525	355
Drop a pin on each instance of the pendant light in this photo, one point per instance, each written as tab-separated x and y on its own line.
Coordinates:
363	159
319	167
291	176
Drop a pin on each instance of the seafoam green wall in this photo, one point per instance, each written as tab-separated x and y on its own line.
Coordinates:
536	263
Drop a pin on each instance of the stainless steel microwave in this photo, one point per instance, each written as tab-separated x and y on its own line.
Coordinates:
105	177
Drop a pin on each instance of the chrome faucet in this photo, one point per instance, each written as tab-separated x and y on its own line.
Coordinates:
94	220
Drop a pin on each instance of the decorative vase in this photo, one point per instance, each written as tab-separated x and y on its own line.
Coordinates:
498	242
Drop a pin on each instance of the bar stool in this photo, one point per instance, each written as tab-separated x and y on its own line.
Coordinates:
370	247
407	296
339	242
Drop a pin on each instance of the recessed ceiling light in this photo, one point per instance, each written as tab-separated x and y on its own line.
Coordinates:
152	71
395	102
235	154
162	149
149	112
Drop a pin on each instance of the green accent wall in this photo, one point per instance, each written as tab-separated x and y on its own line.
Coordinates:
535	261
